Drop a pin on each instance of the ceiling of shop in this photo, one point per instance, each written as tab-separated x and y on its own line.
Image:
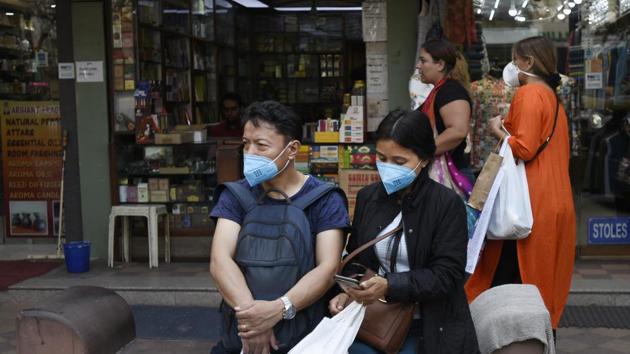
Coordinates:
308	3
534	8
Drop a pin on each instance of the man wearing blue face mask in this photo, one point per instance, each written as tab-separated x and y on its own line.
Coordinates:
423	262
261	317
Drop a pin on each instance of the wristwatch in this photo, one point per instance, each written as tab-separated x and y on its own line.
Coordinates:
289	310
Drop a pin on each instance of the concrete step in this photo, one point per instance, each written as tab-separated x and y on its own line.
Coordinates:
158	346
174	284
190	284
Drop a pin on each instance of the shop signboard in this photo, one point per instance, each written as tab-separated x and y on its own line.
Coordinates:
31	167
609	230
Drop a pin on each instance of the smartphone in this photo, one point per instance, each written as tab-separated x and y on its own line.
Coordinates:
346	282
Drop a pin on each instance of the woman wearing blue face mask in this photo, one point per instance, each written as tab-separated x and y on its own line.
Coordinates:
424	262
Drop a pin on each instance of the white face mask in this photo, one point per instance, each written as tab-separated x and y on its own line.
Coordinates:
510	74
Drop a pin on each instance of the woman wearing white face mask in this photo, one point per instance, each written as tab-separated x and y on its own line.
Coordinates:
539	133
424	262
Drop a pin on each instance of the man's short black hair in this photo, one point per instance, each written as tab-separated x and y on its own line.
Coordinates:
281	117
232	96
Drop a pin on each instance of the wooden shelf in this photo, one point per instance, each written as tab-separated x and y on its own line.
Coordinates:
15	74
14	52
165	30
18	96
124	133
308	52
210	141
176	68
203	40
168	174
175	33
149	26
203	71
180	4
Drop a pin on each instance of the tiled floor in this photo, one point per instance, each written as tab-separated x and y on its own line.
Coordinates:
593	341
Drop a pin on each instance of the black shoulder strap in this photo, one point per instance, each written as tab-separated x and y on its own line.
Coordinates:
314	195
244	195
544	144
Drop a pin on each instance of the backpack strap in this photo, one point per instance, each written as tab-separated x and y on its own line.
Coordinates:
314	195
245	196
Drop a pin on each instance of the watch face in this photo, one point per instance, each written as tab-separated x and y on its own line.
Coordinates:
291	312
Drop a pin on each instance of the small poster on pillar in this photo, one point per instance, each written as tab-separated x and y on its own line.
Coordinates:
31	167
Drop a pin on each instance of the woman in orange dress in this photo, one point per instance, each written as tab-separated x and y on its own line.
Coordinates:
545	258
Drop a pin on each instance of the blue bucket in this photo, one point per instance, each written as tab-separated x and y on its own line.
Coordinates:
77	255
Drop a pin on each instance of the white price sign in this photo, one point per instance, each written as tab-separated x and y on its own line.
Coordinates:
89	71
593	81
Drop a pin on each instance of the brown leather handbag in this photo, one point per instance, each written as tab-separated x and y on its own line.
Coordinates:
385	325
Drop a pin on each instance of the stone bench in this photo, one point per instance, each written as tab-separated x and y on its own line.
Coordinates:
90	320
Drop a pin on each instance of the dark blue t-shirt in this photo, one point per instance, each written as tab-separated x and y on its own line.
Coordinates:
327	213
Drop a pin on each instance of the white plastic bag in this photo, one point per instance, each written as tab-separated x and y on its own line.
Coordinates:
511	217
333	335
481	227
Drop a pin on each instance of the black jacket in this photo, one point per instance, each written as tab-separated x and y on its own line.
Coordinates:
434	218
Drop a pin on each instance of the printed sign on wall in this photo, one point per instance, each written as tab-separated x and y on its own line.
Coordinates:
32	157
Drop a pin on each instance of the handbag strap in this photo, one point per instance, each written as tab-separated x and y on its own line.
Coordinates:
366	246
544	145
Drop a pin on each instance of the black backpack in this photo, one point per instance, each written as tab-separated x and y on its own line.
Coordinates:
275	249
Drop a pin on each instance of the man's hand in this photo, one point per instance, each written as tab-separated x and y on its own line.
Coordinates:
338	303
258	317
260	344
371	290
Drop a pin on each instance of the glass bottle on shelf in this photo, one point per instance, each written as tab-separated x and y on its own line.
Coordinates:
358	93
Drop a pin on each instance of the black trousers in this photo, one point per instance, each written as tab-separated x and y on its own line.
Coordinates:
507	270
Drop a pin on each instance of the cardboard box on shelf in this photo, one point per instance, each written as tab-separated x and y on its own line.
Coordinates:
321	168
199	131
172	170
163	184
158	196
327	137
154	184
174	138
301	160
352	126
358	157
324	154
189	192
351	181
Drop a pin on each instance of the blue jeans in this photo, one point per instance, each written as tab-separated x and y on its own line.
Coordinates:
409	347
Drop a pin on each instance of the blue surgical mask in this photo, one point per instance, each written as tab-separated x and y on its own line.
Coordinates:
395	177
258	169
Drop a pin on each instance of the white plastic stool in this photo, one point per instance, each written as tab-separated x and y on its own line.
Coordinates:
150	211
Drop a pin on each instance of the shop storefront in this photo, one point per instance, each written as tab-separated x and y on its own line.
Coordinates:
342	65
172	62
591	38
598	60
30	132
